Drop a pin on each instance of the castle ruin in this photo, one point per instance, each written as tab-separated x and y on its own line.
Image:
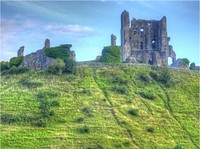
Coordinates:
144	41
38	60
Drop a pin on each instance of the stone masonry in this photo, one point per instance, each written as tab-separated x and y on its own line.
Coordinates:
20	52
113	40
145	41
38	60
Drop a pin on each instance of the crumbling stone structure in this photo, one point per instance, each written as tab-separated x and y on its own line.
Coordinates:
113	40
38	60
73	55
20	52
145	41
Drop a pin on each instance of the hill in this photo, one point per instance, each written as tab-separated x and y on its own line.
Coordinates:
101	106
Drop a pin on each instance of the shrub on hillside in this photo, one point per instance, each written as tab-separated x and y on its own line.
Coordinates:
18	70
62	52
192	66
150	129
185	62
144	76
120	89
133	112
178	147
70	66
163	75
16	61
84	129
80	120
46	94
44	108
55	103
147	95
30	84
87	111
57	67
4	65
111	54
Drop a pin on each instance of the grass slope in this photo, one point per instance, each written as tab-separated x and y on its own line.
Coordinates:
101	107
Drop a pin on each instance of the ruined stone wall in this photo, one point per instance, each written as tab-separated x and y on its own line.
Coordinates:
145	41
38	60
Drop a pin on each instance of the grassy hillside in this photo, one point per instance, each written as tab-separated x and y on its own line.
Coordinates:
100	107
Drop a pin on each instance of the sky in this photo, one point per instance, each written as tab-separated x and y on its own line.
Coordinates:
88	25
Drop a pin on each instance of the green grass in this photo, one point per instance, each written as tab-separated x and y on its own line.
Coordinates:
102	106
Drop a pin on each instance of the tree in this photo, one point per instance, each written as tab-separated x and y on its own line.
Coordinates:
57	66
111	54
192	66
185	62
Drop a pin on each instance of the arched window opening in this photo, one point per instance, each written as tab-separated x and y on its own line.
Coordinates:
169	61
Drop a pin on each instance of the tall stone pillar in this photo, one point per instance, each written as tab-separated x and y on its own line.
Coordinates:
125	35
113	40
20	52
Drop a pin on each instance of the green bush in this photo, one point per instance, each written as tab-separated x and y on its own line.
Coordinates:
185	62
87	111
4	65
144	76
30	84
178	147
69	66
11	118
16	61
147	95
46	94
80	120
62	52
57	67
44	108
163	75
84	129
133	112
120	89
150	129
55	103
111	54
40	122
18	70
192	66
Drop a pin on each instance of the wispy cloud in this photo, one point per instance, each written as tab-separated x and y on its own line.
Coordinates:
20	30
72	30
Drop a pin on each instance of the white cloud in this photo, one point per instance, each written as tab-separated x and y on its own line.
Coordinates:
72	30
19	30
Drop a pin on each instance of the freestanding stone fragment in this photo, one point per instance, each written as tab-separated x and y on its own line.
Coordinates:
113	40
47	44
20	52
73	55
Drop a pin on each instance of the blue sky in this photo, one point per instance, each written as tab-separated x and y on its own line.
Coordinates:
87	25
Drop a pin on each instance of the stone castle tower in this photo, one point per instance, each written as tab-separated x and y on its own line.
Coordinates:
145	41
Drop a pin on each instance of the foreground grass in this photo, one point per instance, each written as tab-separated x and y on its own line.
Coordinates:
101	107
